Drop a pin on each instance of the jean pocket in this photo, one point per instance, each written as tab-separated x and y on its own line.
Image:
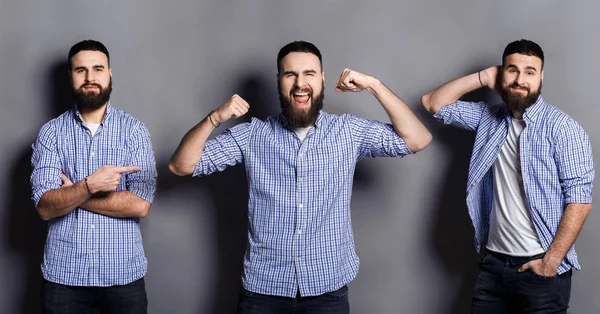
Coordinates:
246	292
484	258
540	277
338	294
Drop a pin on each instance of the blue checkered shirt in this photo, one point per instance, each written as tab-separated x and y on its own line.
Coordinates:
299	228
84	248
556	162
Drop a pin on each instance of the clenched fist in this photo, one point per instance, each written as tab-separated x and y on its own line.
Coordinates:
235	107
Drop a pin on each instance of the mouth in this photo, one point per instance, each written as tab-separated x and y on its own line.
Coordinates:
301	98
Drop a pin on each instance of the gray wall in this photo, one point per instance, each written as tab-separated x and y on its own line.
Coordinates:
173	61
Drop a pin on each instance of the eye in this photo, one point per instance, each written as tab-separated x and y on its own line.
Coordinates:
530	73
511	71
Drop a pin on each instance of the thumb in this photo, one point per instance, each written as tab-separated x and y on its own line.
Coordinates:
63	177
524	267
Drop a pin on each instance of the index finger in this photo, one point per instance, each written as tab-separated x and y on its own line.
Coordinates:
127	169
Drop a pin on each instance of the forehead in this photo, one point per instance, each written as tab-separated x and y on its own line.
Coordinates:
523	61
89	58
300	61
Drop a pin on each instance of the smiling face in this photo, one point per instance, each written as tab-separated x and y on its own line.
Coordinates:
522	77
91	79
301	88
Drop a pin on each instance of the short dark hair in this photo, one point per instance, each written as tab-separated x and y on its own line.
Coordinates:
298	46
87	45
523	47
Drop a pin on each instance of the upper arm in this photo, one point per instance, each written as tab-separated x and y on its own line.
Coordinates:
45	163
462	114
376	139
573	155
224	150
143	182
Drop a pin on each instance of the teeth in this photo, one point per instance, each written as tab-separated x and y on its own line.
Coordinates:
301	94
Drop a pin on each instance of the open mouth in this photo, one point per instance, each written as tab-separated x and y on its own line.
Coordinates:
301	98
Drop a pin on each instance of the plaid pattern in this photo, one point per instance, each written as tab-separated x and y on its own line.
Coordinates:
299	228
556	163
84	248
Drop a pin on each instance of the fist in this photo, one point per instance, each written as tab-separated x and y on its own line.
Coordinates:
353	81
235	107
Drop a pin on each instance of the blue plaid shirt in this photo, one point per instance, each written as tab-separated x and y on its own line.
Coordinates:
299	227
556	163
84	248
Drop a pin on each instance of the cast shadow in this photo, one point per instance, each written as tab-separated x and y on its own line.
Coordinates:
26	231
229	193
452	231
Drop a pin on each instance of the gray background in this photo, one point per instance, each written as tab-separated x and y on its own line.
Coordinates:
173	61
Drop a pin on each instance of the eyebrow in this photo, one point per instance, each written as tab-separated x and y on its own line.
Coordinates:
296	73
84	68
526	68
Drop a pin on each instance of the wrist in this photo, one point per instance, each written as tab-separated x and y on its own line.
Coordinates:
212	120
87	185
374	85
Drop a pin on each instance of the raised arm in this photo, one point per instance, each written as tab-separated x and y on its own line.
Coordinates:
453	90
406	124
190	148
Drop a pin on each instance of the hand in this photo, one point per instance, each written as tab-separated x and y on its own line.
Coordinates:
65	180
541	267
352	81
235	107
490	77
107	178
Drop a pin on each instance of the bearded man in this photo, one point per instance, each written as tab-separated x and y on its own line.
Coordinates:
93	178
529	188
300	166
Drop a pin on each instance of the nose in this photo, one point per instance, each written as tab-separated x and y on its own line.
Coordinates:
519	79
300	81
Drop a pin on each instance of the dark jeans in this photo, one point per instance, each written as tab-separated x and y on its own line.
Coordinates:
500	288
335	302
61	299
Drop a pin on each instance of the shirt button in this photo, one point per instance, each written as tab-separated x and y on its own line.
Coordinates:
301	206
92	154
299	231
299	156
297	258
91	251
473	184
300	179
92	226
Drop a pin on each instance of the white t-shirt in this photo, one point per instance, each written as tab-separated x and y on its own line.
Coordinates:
511	230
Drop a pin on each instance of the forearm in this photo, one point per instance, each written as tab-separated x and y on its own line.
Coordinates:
59	202
190	148
406	124
120	204
450	92
568	231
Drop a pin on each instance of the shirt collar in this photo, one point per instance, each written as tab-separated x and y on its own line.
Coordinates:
109	111
317	124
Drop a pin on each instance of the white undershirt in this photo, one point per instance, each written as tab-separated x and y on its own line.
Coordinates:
511	230
302	132
93	127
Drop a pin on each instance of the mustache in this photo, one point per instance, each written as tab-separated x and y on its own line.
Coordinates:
516	85
302	90
90	84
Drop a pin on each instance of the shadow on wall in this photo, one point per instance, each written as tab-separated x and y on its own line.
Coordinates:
26	230
452	235
229	193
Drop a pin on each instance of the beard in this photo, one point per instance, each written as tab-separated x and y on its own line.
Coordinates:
517	102
91	101
299	118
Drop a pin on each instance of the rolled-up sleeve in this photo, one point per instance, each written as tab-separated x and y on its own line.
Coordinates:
224	150
142	183
376	139
45	163
463	114
575	163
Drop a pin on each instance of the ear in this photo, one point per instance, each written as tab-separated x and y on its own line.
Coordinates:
323	77
110	72
542	76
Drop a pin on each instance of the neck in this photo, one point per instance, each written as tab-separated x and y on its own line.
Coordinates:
93	116
517	114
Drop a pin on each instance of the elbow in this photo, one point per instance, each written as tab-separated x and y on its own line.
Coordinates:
179	171
142	209
420	143
426	101
43	213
